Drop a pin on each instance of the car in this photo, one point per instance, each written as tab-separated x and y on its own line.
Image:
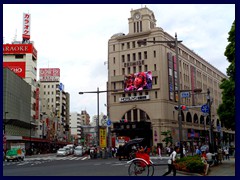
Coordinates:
71	146
67	149
78	151
15	154
62	152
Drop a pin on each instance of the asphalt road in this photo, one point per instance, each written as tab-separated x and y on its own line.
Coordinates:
72	166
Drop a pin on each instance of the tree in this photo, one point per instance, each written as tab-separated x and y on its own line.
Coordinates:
226	110
168	137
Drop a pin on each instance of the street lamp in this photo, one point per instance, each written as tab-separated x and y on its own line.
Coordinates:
97	120
169	43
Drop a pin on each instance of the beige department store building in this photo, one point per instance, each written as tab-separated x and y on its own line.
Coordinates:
150	112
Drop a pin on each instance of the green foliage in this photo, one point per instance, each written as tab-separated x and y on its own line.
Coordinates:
168	137
226	110
191	163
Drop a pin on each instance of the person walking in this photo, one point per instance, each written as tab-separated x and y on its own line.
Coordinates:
159	152
171	162
226	152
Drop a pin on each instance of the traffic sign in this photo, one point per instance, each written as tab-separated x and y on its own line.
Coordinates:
109	122
205	108
185	94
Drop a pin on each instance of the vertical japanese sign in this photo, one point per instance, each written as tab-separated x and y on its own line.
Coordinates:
103	137
37	104
26	26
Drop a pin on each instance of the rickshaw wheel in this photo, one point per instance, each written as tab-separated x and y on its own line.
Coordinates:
138	168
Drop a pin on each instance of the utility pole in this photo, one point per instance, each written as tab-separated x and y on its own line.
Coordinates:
209	103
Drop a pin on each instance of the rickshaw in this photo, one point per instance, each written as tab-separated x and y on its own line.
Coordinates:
141	165
126	151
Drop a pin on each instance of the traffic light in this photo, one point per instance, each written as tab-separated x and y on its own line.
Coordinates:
182	107
123	120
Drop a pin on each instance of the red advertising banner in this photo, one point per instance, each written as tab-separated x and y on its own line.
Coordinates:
26	26
37	103
18	68
19	49
49	74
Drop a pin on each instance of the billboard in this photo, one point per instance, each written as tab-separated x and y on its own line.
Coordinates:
19	49
18	68
49	74
26	26
138	81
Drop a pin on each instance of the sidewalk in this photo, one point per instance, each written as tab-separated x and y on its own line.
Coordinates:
227	168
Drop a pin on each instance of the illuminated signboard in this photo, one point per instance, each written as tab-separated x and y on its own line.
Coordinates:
26	26
19	49
138	81
18	68
49	74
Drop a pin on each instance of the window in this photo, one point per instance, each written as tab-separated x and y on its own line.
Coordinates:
134	56
140	68
145	54
122	46
129	70
19	56
139	56
114	60
123	58
113	47
123	71
154	53
128	45
155	67
156	95
114	72
134	69
133	44
128	57
145	68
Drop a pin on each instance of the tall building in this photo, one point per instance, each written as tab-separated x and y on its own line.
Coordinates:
17	109
52	91
148	108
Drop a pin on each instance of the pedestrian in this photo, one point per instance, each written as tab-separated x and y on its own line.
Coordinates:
171	162
226	151
159	152
198	151
219	155
184	151
168	150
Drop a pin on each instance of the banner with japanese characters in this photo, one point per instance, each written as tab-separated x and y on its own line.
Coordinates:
26	26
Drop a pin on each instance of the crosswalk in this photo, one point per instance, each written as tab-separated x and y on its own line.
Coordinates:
32	161
55	158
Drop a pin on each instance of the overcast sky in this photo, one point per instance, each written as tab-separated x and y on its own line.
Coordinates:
64	36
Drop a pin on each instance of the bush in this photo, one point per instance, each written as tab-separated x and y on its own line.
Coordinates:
190	163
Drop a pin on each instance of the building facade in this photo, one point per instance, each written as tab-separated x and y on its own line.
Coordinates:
149	110
57	102
17	109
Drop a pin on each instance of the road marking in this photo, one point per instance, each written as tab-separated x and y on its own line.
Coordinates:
84	158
